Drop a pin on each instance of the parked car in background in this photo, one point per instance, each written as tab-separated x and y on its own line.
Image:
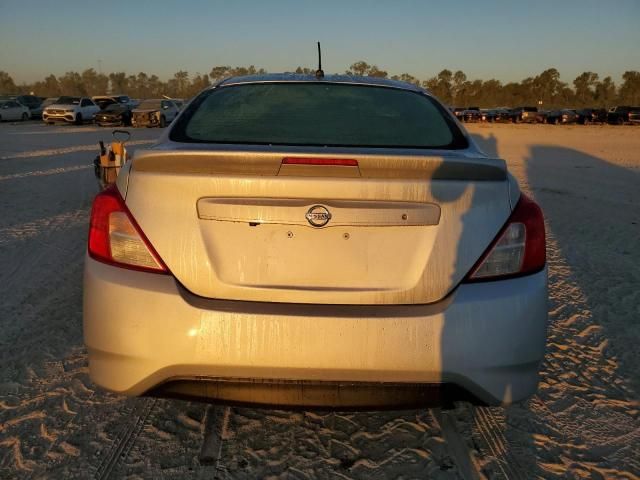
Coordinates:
114	114
472	114
71	110
524	115
634	116
246	257
458	112
568	116
564	116
621	114
154	113
13	110
541	116
488	115
32	102
502	115
553	116
591	115
103	100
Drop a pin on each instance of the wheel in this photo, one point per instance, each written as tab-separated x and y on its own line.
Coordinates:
163	121
25	117
79	119
620	121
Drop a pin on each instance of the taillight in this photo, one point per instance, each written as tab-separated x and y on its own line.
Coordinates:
116	239
519	248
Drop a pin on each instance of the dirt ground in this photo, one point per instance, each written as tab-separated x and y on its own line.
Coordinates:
583	423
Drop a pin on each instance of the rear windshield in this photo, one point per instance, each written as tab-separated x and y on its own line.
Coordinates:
317	114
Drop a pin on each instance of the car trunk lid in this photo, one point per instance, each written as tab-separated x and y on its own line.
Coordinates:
385	228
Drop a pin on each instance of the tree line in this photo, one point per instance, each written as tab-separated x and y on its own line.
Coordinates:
453	88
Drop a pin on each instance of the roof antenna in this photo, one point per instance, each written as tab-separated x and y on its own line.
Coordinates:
319	72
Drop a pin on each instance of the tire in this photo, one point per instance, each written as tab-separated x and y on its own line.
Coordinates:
25	117
78	119
619	121
163	121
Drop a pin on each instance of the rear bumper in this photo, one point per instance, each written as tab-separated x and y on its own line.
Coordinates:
146	335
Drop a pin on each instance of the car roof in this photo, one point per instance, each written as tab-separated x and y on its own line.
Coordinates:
331	78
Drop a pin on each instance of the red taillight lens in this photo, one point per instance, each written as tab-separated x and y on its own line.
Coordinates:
116	239
519	248
341	162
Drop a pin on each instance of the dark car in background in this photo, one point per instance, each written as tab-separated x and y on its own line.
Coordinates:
458	112
564	116
103	100
114	114
472	114
488	115
524	115
502	115
591	115
622	114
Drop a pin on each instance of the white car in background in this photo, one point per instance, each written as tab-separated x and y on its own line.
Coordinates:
12	110
71	110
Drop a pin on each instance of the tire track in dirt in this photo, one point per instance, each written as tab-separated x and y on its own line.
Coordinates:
461	454
216	424
490	430
124	441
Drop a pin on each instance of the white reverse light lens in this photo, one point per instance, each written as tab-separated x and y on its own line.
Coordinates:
506	256
126	245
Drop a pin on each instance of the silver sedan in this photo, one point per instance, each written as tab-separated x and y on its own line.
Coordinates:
316	241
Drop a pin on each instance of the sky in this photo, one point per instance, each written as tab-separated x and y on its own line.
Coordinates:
507	40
